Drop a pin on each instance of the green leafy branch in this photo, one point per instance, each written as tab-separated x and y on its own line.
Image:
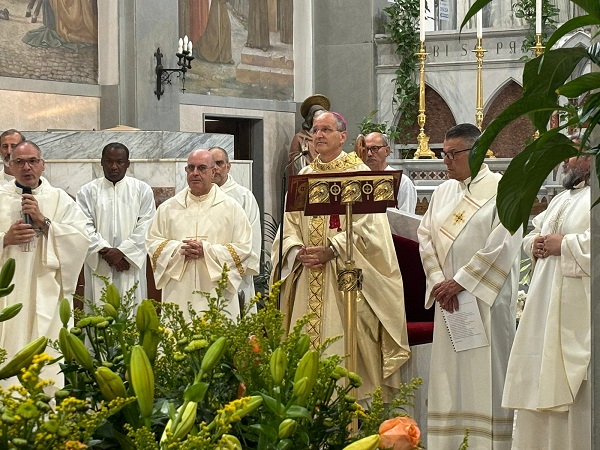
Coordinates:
525	9
403	31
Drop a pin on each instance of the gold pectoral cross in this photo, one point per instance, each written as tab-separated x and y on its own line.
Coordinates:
458	217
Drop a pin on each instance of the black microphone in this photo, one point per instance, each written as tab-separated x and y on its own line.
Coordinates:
26	217
296	158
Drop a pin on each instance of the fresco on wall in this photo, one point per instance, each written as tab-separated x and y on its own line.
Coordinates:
243	48
53	40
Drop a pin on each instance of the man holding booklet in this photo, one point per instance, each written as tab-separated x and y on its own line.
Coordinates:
472	267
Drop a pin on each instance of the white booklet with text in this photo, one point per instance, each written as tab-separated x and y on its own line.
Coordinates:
465	326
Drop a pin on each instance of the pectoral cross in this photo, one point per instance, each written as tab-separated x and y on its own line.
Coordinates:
458	217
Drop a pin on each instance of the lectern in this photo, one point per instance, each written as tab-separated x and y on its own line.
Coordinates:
346	193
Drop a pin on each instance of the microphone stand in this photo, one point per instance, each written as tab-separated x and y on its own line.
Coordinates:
282	205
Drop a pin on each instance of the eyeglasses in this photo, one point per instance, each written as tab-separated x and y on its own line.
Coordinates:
451	155
201	168
375	148
322	130
19	162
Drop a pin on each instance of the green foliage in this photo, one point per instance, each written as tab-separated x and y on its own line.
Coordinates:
213	383
32	419
525	9
544	78
403	29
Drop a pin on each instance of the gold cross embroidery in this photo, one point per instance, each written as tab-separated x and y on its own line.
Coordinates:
458	217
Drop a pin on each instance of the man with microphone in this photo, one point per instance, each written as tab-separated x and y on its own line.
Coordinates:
43	229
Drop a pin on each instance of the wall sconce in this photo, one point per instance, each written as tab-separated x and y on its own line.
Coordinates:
184	55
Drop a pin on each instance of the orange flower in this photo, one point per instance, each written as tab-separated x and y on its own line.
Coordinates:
254	344
241	390
399	433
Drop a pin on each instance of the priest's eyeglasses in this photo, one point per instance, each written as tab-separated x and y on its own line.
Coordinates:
375	148
451	155
201	168
19	162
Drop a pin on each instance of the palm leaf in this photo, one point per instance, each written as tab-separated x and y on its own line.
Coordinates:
525	175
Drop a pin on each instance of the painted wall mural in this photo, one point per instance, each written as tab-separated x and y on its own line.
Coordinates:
243	48
53	40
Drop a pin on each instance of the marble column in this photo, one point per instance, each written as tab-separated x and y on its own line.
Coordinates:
127	75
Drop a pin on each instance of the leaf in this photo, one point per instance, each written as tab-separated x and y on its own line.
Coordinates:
594	53
195	392
479	4
581	85
520	107
544	74
298	412
275	406
524	176
590	6
568	26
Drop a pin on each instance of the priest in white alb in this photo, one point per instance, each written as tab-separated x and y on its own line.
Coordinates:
48	251
8	141
377	149
464	247
194	234
548	371
245	198
119	210
314	252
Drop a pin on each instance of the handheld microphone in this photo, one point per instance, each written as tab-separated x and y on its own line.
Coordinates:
26	217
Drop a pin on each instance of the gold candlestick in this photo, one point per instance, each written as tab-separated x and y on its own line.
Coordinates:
479	54
423	150
538	50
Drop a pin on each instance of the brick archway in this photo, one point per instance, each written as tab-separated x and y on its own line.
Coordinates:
439	119
511	141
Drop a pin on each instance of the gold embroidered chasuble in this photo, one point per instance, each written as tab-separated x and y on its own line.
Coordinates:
382	338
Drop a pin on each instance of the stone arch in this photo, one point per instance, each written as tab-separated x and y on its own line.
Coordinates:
439	118
511	141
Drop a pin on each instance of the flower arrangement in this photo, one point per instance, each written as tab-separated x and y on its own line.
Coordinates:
151	379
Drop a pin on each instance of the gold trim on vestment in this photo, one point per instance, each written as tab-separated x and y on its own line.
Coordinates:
483	278
316	281
338	164
236	259
157	252
491	266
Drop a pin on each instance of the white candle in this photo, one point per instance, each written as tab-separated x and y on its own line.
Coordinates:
479	24
190	47
185	41
422	20
538	16
180	46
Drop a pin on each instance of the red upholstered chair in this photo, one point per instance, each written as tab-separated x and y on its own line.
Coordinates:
418	319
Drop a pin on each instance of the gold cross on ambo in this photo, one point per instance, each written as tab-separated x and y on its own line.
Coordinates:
458	217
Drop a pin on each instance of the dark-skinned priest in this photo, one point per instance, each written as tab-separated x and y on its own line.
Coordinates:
314	250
